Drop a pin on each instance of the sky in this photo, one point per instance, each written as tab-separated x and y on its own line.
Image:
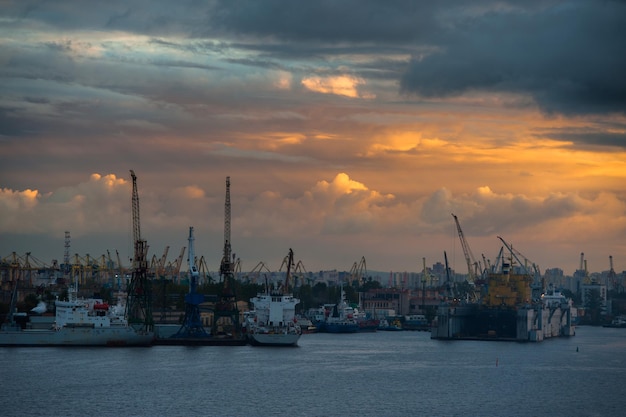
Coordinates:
348	128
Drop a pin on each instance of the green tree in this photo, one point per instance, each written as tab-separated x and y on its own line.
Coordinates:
593	306
370	284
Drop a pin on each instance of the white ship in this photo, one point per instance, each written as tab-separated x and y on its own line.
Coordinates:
78	322
273	321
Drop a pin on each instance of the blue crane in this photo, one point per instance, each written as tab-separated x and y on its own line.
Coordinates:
192	323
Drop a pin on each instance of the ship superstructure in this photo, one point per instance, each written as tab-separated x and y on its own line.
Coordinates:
273	321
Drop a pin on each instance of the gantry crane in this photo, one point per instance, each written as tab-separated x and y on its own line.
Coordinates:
192	323
139	303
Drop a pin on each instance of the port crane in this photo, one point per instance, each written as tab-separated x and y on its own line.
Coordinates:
612	276
472	265
298	271
192	322
122	274
226	265
253	275
358	271
226	312
450	286
139	303
203	270
289	263
157	265
525	265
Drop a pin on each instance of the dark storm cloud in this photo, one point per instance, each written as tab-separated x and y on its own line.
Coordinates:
9	124
593	137
569	57
325	20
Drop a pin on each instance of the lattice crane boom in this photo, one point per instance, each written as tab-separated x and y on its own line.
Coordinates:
139	305
135	207
469	257
226	266
514	252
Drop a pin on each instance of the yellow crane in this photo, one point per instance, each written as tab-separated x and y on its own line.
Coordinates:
175	269
358	271
256	271
472	265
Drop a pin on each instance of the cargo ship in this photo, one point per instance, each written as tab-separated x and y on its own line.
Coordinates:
273	321
77	322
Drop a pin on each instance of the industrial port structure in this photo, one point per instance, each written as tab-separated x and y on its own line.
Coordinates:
142	279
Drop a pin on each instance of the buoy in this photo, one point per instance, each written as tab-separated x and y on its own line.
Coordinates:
576	348
496	362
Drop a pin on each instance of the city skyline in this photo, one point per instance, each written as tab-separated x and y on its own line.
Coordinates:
348	129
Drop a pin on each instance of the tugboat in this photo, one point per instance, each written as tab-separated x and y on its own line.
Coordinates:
273	321
341	319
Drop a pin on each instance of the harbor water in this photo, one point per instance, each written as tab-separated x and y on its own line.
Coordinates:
364	374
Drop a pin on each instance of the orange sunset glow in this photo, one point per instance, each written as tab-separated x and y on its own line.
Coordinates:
347	138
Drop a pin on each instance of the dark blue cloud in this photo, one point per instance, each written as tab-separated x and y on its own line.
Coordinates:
569	57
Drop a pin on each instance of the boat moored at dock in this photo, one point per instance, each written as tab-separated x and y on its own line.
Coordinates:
273	321
78	322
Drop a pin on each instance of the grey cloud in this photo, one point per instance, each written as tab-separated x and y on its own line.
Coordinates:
569	57
325	20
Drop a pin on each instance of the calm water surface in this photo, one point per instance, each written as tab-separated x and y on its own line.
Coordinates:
369	374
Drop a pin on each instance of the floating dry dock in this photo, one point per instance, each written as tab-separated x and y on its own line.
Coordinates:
523	324
506	310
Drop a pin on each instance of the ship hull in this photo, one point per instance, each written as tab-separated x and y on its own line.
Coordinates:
273	339
76	336
343	327
201	341
524	324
